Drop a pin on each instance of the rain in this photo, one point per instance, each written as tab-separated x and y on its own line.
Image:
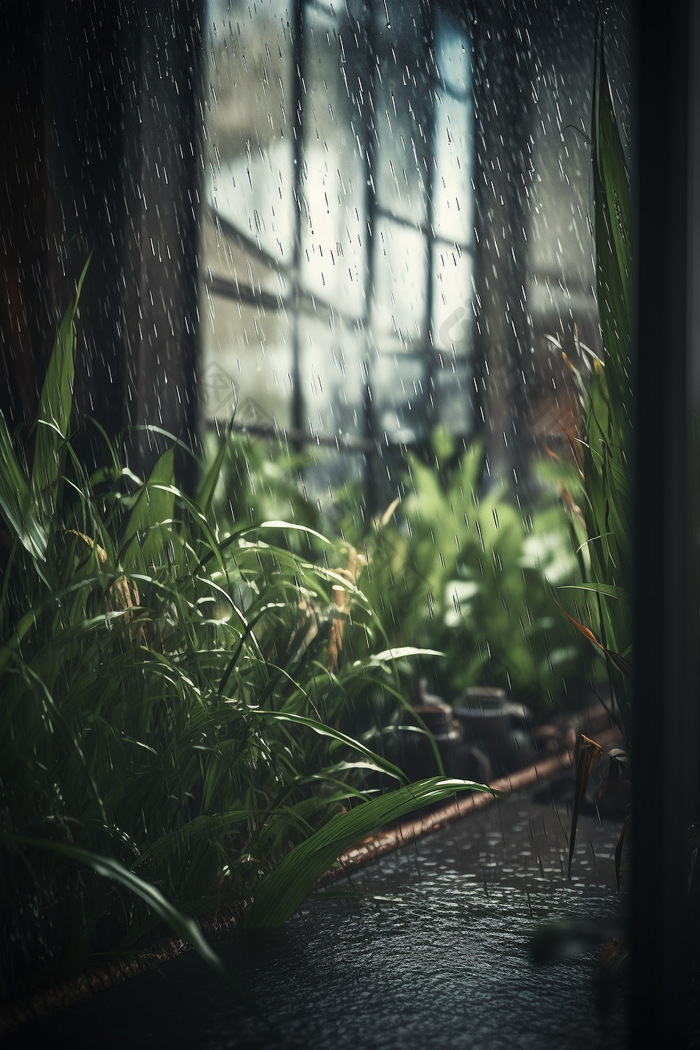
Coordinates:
320	470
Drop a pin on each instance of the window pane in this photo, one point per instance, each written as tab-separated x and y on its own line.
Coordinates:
452	194
333	185
398	392
250	192
452	292
452	53
249	171
399	303
248	362
331	377
235	260
454	392
402	129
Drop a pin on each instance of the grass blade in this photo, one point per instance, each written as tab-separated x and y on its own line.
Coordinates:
282	891
587	754
183	925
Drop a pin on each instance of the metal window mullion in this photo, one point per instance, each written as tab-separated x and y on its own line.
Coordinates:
420	227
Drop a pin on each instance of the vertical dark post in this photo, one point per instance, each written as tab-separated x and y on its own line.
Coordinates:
25	313
161	165
83	137
104	102
666	610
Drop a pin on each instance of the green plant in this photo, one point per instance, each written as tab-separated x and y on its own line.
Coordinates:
468	572
175	698
262	480
601	449
605	400
603	538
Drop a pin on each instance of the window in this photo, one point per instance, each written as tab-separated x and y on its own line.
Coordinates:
338	234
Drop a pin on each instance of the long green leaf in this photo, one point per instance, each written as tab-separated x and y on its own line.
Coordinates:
183	925
16	502
154	507
209	482
334	734
284	889
607	589
53	417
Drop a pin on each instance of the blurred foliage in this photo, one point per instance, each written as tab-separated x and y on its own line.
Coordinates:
454	565
458	564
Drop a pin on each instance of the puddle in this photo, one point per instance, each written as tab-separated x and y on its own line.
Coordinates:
443	964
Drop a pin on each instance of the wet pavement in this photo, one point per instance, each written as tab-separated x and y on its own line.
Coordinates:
429	948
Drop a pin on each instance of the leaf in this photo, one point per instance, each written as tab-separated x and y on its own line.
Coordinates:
283	890
16	503
154	507
54	412
183	925
619	661
609	590
402	652
207	488
587	754
203	825
324	730
293	527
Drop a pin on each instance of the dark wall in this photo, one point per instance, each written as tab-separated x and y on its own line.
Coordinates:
101	102
25	308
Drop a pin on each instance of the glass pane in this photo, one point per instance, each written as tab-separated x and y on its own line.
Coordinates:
399	303
248	363
454	393
329	471
239	264
452	295
399	398
251	193
452	52
453	194
249	176
333	186
331	377
402	131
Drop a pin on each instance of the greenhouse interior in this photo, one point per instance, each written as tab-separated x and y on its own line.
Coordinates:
349	518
